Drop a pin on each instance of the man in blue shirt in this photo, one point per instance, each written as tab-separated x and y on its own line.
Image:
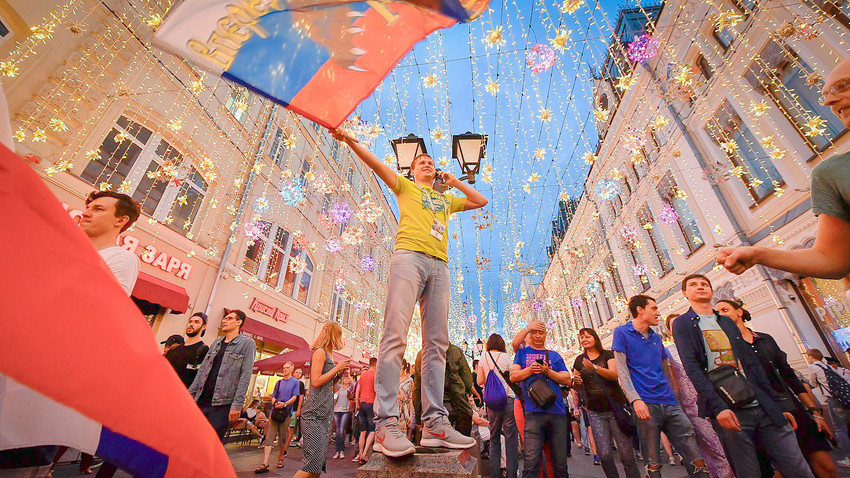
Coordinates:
706	341
643	368
286	393
542	424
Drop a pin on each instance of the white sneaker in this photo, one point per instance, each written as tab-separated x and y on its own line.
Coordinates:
439	433
341	455
390	441
845	463
336	455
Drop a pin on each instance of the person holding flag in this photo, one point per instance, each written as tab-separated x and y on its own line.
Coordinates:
419	272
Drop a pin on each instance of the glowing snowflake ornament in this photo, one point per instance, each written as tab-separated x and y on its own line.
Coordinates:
261	205
540	58
607	189
668	215
642	48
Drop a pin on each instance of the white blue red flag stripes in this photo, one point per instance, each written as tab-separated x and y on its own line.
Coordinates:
79	365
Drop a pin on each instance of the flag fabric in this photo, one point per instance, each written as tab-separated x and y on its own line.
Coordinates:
317	58
79	365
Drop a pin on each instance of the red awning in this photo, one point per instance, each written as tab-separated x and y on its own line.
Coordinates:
273	335
160	292
300	358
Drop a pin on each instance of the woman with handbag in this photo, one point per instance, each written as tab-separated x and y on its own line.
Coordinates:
610	420
812	432
708	442
501	418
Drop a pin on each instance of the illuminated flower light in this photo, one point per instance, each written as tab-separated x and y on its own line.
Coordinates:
323	184
642	48
577	302
560	42
483	220
570	6
367	263
539	153
668	215
297	265
640	270
621	304
601	114
472	318
341	213
617	174
607	189
758	109
808	30
261	205
593	287
777	154
352	236
629	234
369	212
57	124
176	124
815	127
495	38
333	245
39	136
813	78
545	114
589	158
550	324
299	243
326	222
9	69
429	81
492	87
625	82
437	134
516	308
292	191
540	58
538	305
255	230
341	276
829	300
482	262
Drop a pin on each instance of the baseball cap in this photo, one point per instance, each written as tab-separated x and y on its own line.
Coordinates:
174	339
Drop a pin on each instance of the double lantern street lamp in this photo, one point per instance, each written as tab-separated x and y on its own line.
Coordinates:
467	148
470	352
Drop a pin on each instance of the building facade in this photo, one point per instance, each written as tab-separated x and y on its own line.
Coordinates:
245	205
709	143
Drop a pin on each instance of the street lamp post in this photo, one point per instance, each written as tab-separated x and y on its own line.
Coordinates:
406	149
469	149
470	350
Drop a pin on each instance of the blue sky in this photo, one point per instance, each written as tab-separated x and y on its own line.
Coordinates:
463	64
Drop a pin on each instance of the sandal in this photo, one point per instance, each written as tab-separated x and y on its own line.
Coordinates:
280	463
262	469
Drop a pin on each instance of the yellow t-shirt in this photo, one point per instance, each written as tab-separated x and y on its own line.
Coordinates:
418	207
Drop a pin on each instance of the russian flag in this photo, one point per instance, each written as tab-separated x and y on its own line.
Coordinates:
317	58
79	365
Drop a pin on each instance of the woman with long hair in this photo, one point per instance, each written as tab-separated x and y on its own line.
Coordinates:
812	432
341	414
708	442
502	422
596	370
316	414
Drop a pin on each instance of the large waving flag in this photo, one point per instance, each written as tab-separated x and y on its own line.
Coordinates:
318	58
79	365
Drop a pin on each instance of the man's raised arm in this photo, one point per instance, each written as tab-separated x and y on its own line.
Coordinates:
386	173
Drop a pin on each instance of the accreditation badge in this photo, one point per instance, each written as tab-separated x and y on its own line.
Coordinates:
438	229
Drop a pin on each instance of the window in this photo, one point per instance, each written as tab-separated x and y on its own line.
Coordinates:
746	6
780	73
278	150
5	32
704	68
647	222
238	103
269	259
638	168
742	148
341	308
686	225
724	37
136	161
618	282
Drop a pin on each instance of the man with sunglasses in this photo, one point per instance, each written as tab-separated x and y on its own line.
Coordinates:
829	258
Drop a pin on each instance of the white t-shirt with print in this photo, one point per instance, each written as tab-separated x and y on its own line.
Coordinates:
504	362
123	264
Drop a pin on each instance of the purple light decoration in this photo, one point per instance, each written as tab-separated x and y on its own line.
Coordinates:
640	270
255	230
642	48
577	302
341	212
367	263
540	58
668	215
629	234
538	306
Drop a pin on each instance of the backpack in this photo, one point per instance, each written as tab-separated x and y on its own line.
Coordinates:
838	386
495	395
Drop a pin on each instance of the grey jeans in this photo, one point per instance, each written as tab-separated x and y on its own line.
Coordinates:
414	277
605	432
841	418
673	421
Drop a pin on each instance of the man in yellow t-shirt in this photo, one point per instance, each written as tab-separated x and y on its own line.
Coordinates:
418	273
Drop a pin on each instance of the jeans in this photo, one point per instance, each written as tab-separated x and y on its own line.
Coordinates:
219	418
414	277
340	423
503	423
841	418
673	421
539	429
582	427
605	431
779	442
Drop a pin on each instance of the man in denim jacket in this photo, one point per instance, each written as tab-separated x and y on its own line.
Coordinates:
707	340
222	381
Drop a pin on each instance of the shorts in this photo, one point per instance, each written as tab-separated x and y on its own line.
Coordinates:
278	429
367	417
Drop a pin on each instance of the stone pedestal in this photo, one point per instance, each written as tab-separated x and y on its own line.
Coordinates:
426	463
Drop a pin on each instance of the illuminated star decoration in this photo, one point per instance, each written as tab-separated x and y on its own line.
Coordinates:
545	114
292	191
540	58
341	212
492	87
367	263
495	38
726	19
642	48
560	42
815	126
607	189
570	6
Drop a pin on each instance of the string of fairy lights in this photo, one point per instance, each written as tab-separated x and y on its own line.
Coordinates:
529	75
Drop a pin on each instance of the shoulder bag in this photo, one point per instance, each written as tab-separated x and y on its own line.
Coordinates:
279	414
540	391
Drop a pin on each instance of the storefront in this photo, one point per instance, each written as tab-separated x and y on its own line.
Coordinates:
155	297
826	302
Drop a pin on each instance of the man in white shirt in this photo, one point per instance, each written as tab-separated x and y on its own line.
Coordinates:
820	387
107	215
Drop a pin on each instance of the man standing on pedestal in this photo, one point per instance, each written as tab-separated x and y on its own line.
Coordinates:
419	272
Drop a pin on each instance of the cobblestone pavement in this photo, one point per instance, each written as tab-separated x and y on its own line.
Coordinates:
246	458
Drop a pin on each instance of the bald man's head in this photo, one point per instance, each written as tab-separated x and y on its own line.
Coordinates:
836	91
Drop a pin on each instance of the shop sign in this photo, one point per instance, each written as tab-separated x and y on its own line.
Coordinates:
259	306
149	254
834	310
